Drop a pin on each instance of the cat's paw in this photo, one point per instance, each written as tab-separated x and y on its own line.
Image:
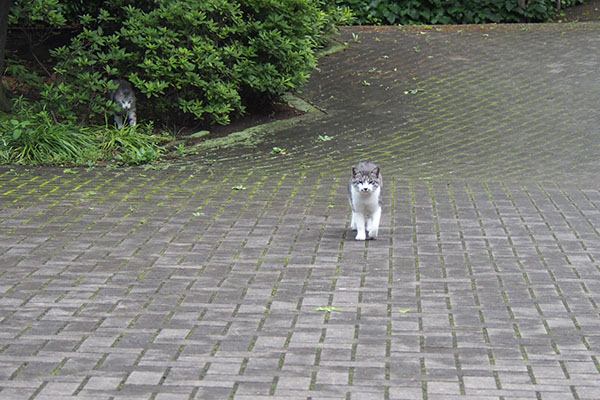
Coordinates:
360	236
373	234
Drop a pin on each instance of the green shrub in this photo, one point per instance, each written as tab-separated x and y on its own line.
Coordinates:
195	59
29	13
452	11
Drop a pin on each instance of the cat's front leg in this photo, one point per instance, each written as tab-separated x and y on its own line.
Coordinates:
359	221
119	121
131	115
373	224
353	222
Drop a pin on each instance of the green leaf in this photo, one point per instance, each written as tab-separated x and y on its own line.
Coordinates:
327	309
278	150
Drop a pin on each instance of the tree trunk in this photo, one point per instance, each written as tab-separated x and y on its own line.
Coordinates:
4	9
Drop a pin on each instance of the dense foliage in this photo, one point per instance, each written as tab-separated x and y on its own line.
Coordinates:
206	59
453	11
200	60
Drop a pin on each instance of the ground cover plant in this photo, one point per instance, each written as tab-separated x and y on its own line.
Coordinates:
31	136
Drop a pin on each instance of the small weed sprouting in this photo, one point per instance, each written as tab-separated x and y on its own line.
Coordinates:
279	150
182	150
328	309
413	91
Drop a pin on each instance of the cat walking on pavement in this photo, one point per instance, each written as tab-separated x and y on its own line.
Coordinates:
364	192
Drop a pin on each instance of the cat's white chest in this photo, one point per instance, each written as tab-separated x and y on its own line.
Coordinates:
365	202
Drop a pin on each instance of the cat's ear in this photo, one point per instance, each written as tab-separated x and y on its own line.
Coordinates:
376	171
353	171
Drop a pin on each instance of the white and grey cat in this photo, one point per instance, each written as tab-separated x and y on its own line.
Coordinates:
124	98
364	191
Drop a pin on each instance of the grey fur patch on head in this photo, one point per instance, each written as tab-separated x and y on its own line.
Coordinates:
124	95
366	170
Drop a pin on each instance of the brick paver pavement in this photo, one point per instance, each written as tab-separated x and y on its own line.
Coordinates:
210	279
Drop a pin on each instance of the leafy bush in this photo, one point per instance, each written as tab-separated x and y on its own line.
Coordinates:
28	13
452	11
201	59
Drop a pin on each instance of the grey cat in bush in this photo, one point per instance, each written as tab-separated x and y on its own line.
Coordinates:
364	191
124	98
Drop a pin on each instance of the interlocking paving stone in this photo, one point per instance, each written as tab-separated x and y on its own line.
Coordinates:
483	284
